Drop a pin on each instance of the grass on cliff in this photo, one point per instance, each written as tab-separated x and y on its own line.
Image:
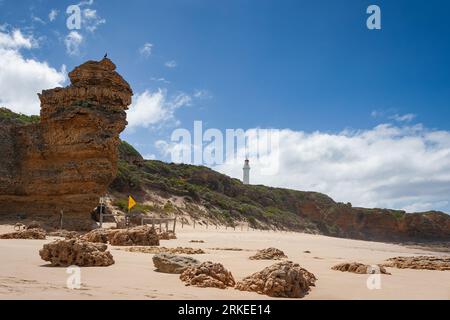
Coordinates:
6	114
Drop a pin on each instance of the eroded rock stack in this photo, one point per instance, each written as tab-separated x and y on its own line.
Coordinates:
67	160
208	274
284	279
64	253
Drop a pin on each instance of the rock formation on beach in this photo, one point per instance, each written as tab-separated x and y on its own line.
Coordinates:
67	160
284	279
208	275
355	267
419	263
28	234
156	250
169	263
269	254
137	236
64	253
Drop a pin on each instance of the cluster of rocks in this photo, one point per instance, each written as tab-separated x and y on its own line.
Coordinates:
359	268
269	254
420	263
208	274
284	279
157	250
64	253
169	263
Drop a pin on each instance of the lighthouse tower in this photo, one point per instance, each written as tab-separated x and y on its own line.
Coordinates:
246	169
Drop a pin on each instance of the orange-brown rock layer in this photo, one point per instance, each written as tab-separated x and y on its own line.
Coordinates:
66	162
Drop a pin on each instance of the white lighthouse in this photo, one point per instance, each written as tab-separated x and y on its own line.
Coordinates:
246	169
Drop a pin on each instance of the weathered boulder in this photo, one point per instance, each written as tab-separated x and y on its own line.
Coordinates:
355	267
64	253
99	235
269	254
208	274
64	234
284	279
419	263
66	161
138	236
33	225
28	234
169	263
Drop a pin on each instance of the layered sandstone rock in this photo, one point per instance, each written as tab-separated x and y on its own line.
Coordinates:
29	234
355	267
420	263
65	162
284	279
269	254
208	274
169	263
64	253
167	235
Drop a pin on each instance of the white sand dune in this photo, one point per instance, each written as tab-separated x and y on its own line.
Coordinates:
23	275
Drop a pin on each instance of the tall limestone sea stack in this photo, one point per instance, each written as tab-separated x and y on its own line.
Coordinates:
66	161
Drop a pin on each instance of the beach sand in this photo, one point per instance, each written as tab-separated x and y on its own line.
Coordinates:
23	275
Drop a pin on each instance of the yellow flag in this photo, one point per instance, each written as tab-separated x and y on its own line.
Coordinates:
131	202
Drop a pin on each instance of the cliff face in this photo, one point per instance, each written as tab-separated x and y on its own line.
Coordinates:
228	201
68	159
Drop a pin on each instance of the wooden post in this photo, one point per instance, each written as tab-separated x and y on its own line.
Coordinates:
153	224
174	224
61	222
194	224
167	225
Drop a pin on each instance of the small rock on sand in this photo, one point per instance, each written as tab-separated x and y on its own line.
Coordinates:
169	263
269	254
419	263
64	253
359	268
208	274
284	279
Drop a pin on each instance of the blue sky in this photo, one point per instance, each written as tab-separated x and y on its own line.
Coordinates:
307	66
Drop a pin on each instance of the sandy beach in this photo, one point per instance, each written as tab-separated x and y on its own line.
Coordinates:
23	275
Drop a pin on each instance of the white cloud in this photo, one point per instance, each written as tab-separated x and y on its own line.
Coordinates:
401	167
146	50
91	20
21	79
16	40
151	109
52	15
202	94
171	64
403	118
73	42
163	80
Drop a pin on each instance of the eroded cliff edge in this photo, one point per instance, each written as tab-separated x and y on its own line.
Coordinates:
67	160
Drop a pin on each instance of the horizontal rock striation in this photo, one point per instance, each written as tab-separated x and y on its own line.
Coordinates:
66	161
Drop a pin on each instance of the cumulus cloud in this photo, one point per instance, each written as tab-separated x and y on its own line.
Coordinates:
73	42
401	167
146	50
21	79
151	109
